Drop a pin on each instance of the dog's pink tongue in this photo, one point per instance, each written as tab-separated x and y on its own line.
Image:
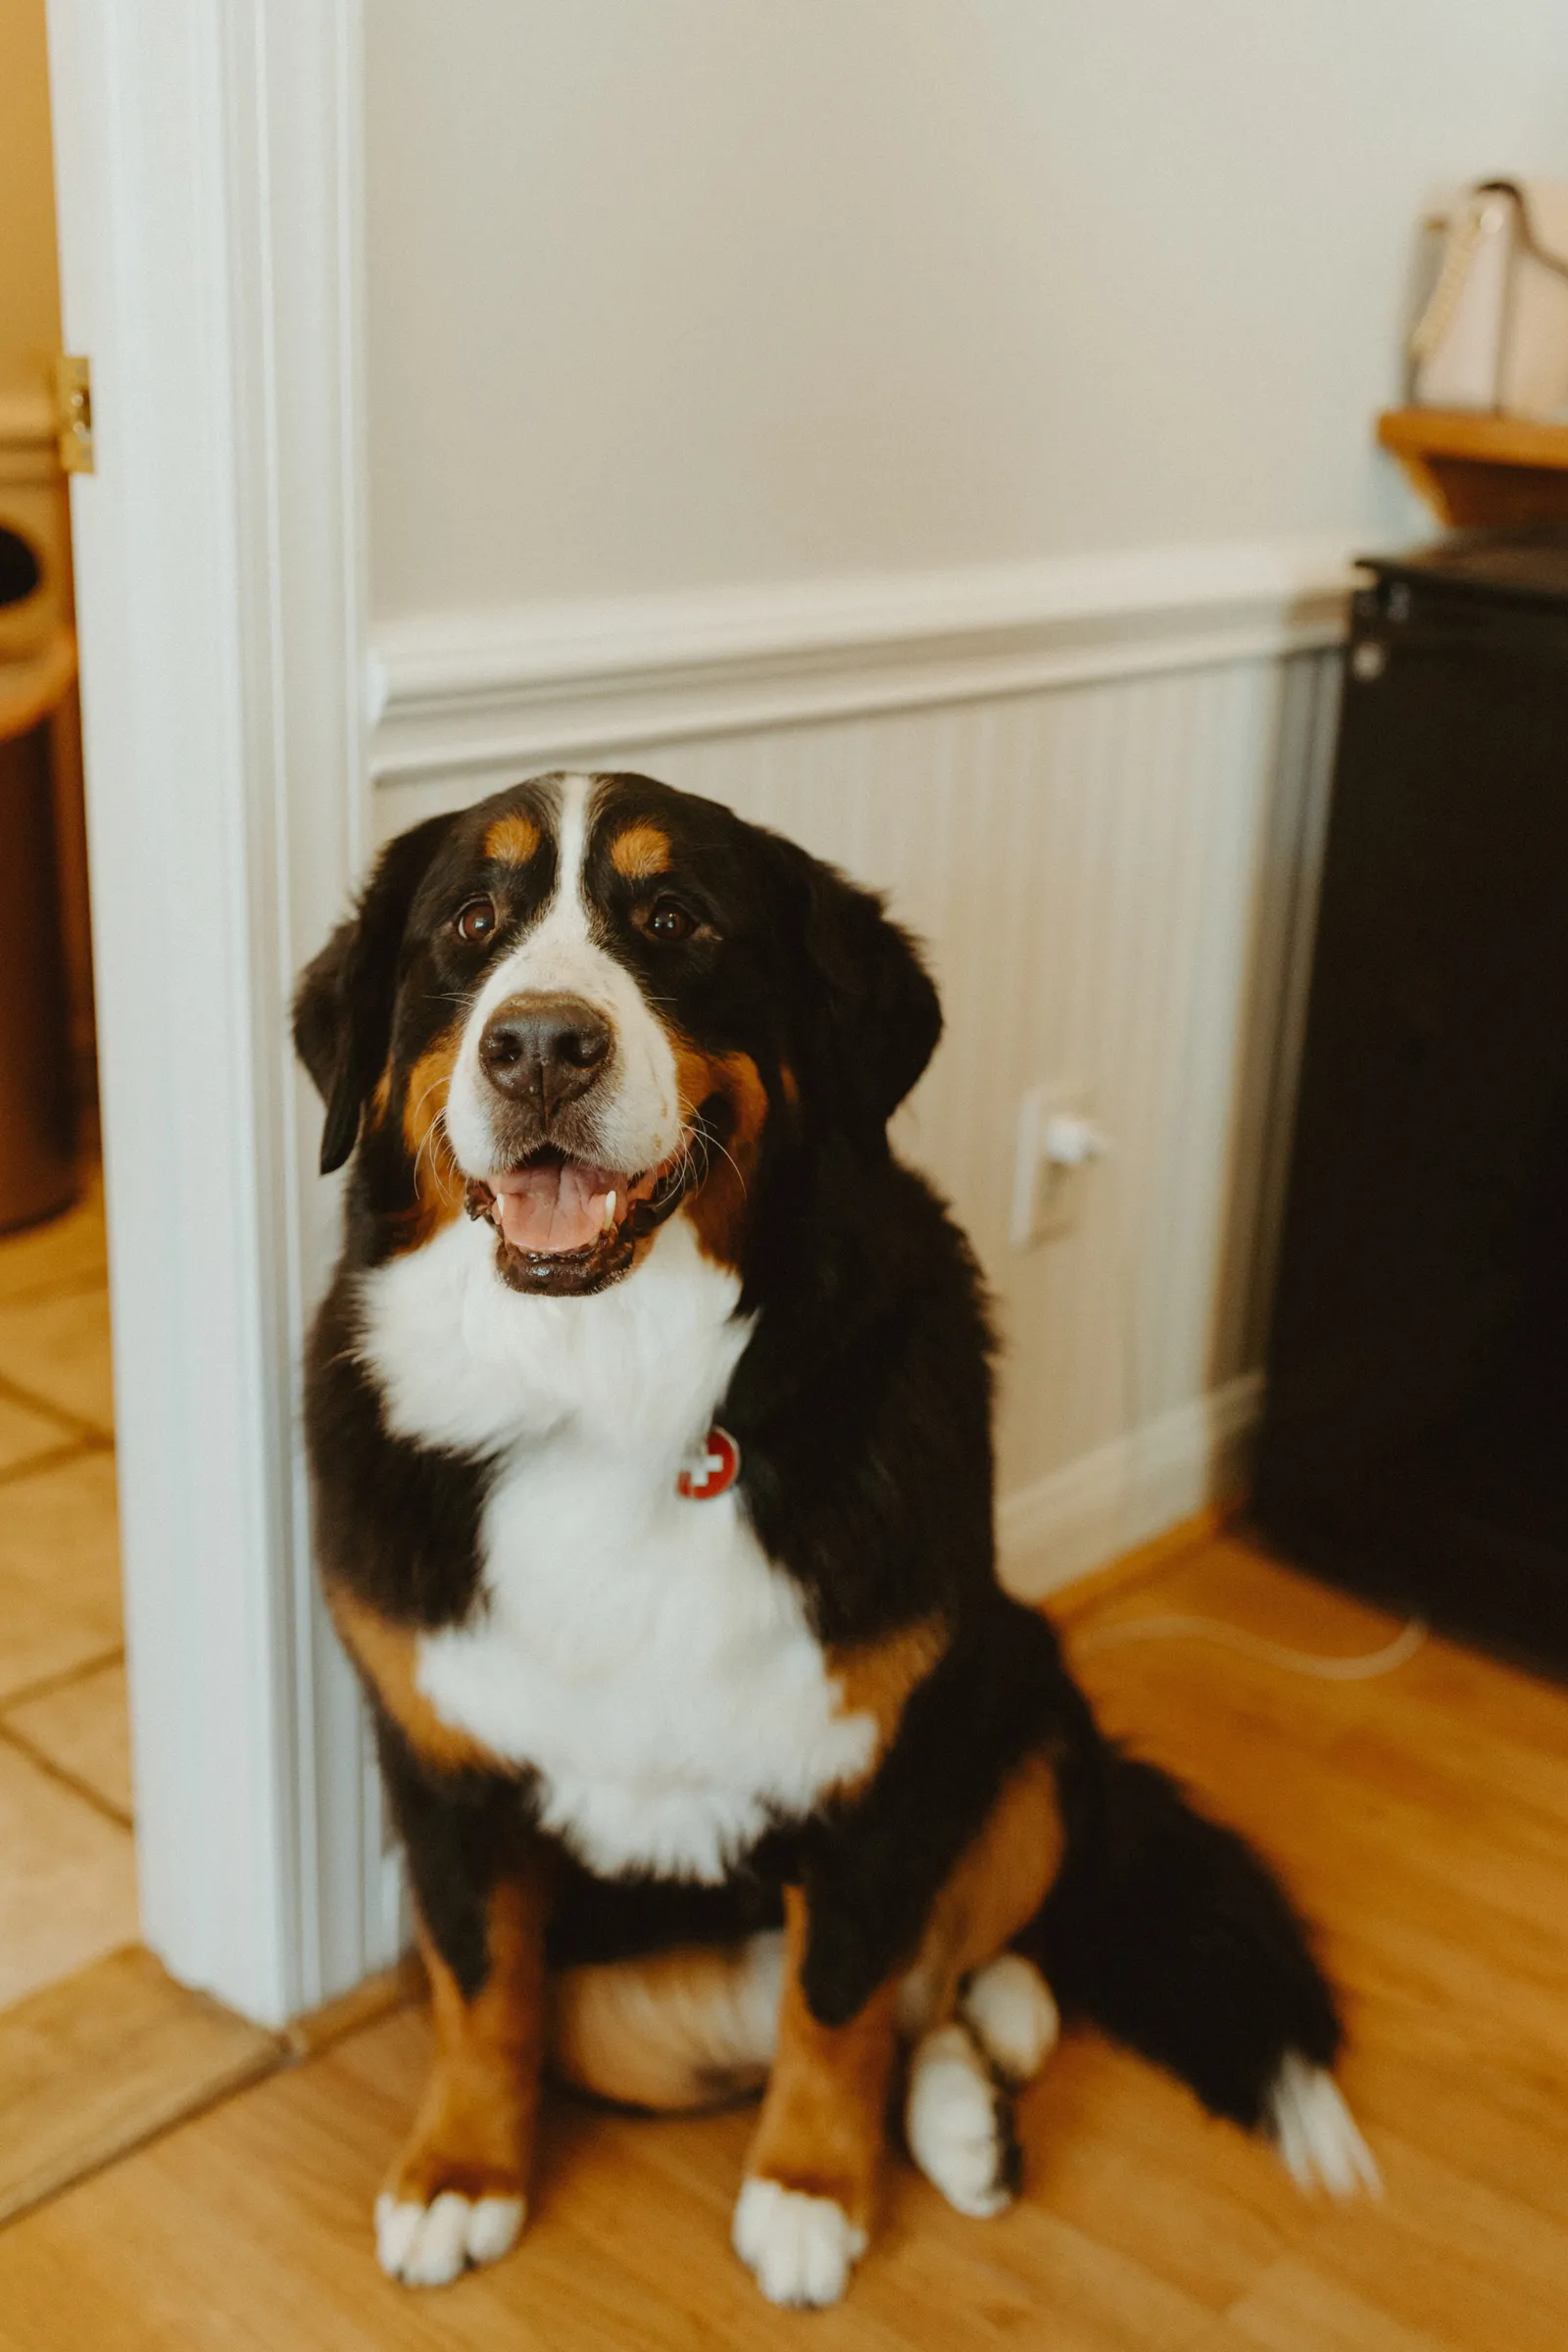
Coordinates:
548	1209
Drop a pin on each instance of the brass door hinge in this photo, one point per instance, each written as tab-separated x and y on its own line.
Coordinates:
74	413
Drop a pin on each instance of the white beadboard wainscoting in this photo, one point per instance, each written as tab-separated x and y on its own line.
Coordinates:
1096	790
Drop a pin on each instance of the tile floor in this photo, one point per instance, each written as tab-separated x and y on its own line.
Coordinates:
66	1868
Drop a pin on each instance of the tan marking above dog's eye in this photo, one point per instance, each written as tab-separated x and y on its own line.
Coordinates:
513	839
475	921
640	853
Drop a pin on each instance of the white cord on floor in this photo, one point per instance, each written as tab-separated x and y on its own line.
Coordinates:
1363	1668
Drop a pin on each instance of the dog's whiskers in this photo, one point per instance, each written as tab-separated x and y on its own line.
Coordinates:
693	1119
428	1143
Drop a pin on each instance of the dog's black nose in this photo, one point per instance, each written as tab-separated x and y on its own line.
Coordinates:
544	1049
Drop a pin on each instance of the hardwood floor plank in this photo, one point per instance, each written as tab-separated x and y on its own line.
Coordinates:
1105	2137
67	1879
82	1729
1296	2309
1448	2255
97	2062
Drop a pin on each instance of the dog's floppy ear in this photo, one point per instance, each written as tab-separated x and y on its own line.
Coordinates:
343	1004
867	1016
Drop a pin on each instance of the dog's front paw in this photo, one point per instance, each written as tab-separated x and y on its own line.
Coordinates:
801	2249
429	2242
957	2119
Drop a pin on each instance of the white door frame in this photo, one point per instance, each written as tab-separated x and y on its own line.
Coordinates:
208	169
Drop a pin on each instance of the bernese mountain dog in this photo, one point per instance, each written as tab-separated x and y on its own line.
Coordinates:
648	1421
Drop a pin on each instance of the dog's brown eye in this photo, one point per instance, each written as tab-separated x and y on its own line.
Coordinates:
475	921
667	918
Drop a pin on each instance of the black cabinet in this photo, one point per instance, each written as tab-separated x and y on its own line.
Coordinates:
1415	1438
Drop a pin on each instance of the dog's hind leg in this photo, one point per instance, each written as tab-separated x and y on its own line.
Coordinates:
982	2016
697	2026
1008	2008
691	2026
959	2096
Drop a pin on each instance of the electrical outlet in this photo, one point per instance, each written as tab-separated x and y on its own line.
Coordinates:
1058	1142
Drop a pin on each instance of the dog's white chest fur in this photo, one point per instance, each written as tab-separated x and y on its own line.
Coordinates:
635	1649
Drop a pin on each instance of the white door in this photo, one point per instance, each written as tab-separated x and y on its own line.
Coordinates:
208	180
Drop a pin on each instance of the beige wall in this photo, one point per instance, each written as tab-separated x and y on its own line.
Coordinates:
668	294
29	293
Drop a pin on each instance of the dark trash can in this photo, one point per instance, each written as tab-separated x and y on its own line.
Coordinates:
37	1139
1415	1434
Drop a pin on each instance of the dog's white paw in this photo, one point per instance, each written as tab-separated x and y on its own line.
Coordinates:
800	2249
429	2245
1009	2009
958	2123
1318	2139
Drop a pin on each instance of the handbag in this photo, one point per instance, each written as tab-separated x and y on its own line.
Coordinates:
1493	332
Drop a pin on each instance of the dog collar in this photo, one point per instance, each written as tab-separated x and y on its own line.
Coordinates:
714	1469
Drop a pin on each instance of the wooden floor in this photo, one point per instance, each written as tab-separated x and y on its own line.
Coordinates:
1423	1819
68	1870
102	2060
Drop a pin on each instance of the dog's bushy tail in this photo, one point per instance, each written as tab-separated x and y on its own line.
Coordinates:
1173	1934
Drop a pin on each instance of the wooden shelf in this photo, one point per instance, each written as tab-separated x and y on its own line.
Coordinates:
1476	469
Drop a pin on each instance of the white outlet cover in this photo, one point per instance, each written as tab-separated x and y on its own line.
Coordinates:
1046	1196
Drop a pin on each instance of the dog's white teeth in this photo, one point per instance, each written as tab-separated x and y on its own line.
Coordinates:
610	1211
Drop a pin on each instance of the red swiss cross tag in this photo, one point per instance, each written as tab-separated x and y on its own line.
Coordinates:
714	1471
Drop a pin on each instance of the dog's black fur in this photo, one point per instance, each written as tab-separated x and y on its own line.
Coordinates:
862	1405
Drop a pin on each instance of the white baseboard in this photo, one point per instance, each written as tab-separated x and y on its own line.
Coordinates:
1128	1490
501	691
